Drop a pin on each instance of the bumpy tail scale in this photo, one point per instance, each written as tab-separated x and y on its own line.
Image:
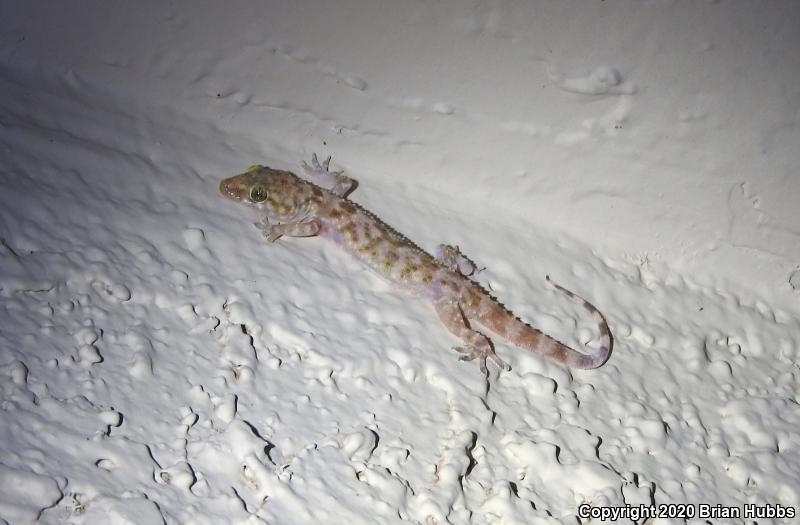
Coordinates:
493	316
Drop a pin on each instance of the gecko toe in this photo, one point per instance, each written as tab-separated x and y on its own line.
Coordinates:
499	362
270	234
467	353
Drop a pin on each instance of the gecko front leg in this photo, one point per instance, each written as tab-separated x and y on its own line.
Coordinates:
272	232
341	184
477	346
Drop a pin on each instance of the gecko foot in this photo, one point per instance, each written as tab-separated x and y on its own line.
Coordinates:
271	235
452	257
269	231
341	184
319	168
470	353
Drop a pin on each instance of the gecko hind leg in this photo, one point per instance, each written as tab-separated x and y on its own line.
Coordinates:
452	258
478	346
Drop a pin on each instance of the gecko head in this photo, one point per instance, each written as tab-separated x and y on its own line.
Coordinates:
250	187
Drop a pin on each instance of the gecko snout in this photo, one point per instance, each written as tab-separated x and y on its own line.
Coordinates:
229	188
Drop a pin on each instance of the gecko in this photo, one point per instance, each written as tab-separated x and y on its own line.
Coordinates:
295	207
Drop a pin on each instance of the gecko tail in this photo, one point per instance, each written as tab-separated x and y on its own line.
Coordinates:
493	316
599	357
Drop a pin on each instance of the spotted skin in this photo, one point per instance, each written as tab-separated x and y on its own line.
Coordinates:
294	207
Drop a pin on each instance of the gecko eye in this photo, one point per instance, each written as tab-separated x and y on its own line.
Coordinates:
258	194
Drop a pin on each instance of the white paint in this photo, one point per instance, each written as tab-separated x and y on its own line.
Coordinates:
161	363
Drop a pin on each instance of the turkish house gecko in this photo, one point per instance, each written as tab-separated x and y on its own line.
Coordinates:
295	207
